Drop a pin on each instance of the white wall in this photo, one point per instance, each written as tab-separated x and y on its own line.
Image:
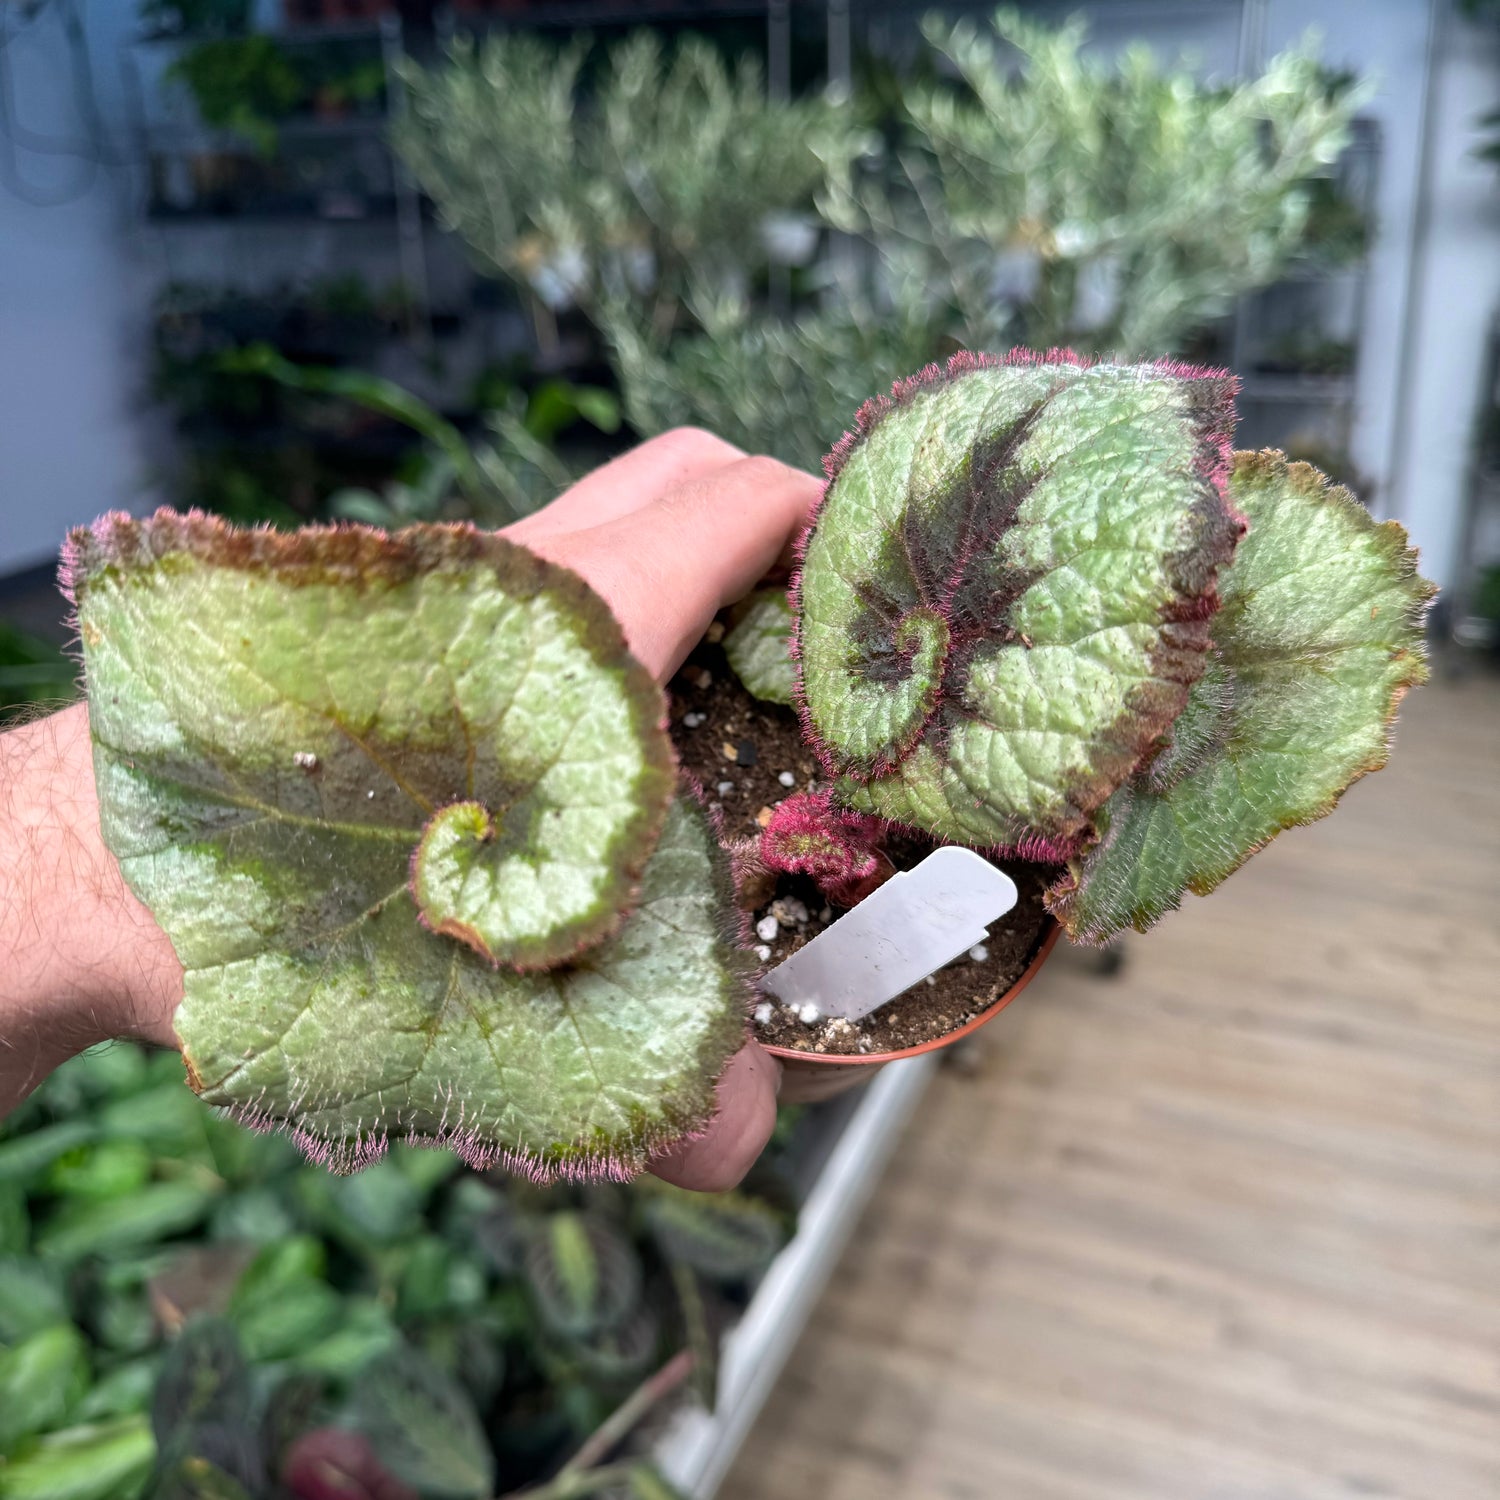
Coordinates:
1419	420
72	319
1457	296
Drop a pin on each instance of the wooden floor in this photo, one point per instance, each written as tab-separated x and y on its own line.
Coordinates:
1224	1228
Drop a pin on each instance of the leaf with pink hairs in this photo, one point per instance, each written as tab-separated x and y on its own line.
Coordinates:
1318	640
1005	596
404	806
807	835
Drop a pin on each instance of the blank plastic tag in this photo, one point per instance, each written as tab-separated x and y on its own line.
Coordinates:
909	928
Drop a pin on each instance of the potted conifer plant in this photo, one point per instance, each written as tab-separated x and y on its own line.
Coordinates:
1043	611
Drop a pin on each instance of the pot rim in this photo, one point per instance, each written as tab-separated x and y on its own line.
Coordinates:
874	1059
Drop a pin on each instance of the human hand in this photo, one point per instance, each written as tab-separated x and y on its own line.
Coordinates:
668	534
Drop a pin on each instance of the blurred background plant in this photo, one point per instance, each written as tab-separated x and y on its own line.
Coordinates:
1056	201
1063	201
648	195
248	85
704	252
189	1309
33	671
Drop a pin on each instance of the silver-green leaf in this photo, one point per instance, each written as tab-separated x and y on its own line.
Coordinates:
281	723
1318	638
759	646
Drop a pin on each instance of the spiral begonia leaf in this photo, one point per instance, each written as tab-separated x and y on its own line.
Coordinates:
1318	638
759	646
280	721
1006	592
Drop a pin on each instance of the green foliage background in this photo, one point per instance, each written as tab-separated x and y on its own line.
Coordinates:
476	1329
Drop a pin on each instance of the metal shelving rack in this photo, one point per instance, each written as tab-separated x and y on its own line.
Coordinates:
699	1447
1277	408
174	148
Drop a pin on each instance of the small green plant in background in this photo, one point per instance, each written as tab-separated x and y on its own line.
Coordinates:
187	1308
514	472
248	84
244	84
32	671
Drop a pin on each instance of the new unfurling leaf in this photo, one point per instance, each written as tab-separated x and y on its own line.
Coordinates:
1318	638
1005	597
807	835
372	788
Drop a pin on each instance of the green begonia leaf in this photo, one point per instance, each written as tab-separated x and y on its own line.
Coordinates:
1318	638
759	646
1005	596
281	721
339	689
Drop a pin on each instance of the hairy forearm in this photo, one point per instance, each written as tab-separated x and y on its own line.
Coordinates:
80	958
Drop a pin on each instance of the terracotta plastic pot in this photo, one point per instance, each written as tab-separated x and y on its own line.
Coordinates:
810	1076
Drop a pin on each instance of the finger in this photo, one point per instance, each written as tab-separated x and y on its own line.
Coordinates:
717	1160
629	483
668	568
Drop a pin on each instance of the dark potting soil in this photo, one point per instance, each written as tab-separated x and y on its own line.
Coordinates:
748	756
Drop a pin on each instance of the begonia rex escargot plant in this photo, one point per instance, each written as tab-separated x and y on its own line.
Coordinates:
406	807
1016	626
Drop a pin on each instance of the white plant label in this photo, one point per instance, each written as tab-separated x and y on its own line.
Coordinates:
909	928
